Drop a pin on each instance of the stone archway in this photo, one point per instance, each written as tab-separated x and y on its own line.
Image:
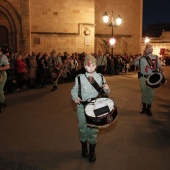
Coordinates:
11	21
4	37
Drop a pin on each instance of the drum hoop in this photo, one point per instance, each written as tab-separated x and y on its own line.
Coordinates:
102	126
161	78
106	125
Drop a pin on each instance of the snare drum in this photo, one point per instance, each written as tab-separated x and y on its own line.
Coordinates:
100	112
155	80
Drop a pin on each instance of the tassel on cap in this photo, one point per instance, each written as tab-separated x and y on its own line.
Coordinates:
89	59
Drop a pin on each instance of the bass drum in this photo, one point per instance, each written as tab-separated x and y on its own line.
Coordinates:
100	113
155	80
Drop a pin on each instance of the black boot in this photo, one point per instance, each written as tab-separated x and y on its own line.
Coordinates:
148	110
85	153
1	107
143	110
54	88
92	157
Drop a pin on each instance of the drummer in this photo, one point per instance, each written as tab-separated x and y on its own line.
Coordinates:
147	63
88	135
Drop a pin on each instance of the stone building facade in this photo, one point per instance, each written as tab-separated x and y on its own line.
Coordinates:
158	43
72	26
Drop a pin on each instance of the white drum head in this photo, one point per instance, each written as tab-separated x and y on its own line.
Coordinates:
99	103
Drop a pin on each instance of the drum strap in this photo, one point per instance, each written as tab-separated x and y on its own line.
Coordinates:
79	88
151	64
95	85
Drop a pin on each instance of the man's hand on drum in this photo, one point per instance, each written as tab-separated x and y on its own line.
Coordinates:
78	100
105	86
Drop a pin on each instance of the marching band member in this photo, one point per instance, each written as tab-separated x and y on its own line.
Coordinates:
147	63
88	92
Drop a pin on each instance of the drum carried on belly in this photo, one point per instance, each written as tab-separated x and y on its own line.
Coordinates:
155	80
100	112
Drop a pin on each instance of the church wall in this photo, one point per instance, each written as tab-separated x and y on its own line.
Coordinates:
42	26
60	25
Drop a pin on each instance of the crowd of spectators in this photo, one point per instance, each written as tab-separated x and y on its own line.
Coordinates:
35	70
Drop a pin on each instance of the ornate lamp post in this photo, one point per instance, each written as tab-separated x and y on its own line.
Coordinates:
112	23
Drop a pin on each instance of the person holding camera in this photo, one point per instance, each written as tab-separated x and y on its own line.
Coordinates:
4	65
147	63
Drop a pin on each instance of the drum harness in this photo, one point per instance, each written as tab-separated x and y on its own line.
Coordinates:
95	85
151	64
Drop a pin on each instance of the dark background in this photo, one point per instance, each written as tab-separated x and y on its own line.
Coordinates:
155	11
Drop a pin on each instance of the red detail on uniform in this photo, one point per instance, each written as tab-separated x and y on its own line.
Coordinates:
152	68
88	63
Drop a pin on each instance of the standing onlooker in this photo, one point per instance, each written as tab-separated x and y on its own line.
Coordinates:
20	67
32	71
74	66
56	64
4	65
101	63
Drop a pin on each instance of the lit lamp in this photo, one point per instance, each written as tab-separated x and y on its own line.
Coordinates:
112	41
147	40
112	23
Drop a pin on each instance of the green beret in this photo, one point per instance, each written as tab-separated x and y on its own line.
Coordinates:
89	59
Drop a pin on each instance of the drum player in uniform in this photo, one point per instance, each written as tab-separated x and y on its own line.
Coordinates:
88	92
146	70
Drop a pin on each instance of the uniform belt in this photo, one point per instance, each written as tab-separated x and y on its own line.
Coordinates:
143	75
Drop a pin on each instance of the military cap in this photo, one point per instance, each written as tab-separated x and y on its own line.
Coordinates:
148	46
89	59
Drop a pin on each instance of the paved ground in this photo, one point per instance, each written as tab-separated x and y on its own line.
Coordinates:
39	130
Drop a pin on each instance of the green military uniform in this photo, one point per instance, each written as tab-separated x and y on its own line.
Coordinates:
147	92
87	93
101	64
3	62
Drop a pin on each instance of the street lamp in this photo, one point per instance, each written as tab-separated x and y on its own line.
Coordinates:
112	23
147	40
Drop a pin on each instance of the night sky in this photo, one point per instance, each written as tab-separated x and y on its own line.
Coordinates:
156	11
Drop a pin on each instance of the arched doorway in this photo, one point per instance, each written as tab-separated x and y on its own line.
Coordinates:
10	26
4	37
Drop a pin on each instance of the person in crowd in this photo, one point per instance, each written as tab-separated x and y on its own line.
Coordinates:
147	63
74	66
32	71
20	67
101	63
66	73
56	64
47	70
4	65
88	92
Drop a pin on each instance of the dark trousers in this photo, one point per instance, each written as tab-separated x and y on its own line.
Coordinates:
100	69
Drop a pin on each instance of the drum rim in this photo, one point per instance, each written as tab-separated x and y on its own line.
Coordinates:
157	83
93	101
105	125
